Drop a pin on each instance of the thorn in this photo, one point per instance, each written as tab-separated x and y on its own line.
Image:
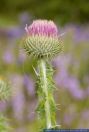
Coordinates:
26	28
62	34
35	71
56	126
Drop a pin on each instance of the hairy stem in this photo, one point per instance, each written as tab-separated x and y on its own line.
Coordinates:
42	68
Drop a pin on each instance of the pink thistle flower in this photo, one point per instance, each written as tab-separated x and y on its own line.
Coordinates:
42	39
42	27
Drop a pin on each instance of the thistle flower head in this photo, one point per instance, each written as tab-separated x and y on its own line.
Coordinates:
42	39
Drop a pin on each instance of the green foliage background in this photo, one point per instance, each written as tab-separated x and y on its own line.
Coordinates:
62	11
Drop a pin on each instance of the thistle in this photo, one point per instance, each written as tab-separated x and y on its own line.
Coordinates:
42	39
42	43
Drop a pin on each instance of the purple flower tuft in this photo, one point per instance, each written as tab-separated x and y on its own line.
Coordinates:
42	27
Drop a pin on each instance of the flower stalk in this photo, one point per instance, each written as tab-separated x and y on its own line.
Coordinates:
43	72
45	87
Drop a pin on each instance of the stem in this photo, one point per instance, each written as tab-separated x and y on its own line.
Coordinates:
42	68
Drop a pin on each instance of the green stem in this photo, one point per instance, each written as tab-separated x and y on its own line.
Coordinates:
42	68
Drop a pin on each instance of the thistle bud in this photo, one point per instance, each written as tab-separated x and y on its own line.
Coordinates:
42	39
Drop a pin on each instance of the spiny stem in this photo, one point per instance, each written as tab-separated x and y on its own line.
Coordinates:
42	68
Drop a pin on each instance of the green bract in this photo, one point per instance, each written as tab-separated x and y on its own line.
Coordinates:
42	46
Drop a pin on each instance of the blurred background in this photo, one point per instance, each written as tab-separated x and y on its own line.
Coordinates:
72	67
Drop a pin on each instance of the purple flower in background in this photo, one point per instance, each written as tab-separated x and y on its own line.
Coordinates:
81	33
68	118
85	114
28	83
84	119
31	110
18	105
64	79
14	32
18	99
72	85
63	61
62	64
8	56
22	56
24	18
74	88
70	115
